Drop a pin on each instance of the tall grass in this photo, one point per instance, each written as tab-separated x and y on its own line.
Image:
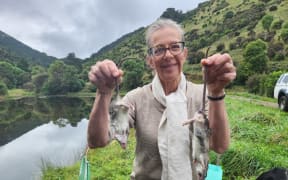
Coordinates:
258	142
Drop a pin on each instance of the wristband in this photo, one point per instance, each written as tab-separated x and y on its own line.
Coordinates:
217	98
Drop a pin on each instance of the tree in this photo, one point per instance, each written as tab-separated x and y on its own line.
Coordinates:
284	35
3	89
6	74
62	78
267	21
134	70
171	13
39	80
255	57
13	76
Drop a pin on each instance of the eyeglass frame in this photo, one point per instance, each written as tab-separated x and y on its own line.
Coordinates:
150	50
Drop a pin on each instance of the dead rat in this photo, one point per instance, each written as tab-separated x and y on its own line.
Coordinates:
199	133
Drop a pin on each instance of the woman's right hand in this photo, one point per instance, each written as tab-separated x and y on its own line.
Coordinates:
103	74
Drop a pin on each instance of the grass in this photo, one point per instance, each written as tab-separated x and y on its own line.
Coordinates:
107	163
17	93
258	143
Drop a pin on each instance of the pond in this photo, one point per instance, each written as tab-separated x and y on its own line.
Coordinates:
39	132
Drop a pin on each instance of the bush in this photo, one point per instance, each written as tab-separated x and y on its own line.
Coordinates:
284	35
254	83
273	8
28	86
3	89
277	24
220	47
232	46
229	15
275	48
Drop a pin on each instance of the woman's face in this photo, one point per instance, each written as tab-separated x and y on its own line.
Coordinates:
167	65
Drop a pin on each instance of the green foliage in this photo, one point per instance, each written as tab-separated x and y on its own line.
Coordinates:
267	21
13	76
62	79
253	83
255	57
72	60
285	26
16	52
171	13
220	47
3	89
284	35
229	15
269	83
37	69
195	57
277	24
263	84
275	49
39	81
134	70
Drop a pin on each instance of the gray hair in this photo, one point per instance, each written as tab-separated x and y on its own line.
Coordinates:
159	24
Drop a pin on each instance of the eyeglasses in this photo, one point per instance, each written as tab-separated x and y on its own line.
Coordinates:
174	48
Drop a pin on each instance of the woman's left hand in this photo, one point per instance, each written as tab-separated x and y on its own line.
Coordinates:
220	72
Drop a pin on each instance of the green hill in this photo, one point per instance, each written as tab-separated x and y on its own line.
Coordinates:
15	52
226	25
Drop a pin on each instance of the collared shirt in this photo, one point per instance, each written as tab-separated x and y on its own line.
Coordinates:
145	115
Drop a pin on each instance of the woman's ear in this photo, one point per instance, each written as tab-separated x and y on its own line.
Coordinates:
185	53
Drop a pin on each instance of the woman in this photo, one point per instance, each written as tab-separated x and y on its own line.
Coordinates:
157	110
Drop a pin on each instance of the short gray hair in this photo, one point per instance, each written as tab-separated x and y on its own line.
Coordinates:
162	23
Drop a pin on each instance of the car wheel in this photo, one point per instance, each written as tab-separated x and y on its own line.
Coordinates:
283	103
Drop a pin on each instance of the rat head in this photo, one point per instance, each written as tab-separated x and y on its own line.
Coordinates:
201	170
122	138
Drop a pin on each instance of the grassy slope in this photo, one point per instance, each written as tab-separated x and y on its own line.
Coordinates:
259	142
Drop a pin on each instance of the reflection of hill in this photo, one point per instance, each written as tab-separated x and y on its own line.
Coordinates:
20	116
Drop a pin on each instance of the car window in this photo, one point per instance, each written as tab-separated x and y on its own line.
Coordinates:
280	79
285	80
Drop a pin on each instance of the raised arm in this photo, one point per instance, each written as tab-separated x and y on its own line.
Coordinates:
103	75
220	72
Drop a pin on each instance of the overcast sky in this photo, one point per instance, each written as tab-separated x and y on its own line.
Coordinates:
58	27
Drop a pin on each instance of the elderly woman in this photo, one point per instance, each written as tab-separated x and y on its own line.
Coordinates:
157	110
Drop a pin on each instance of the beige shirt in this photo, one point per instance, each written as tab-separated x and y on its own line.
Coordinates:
145	115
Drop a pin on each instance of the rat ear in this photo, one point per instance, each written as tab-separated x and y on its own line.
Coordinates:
124	108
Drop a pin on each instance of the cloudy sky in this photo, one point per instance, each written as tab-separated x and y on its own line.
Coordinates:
58	27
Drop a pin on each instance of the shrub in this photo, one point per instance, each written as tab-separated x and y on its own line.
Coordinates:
229	15
3	89
232	46
273	8
284	35
254	83
277	24
220	47
274	48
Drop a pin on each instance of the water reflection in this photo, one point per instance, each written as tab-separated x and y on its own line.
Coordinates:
37	132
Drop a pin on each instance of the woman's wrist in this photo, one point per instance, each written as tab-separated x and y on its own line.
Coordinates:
216	96
103	93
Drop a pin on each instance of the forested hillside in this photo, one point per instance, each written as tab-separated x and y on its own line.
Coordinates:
239	27
14	51
253	32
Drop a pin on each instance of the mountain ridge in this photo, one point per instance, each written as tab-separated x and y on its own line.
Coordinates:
14	50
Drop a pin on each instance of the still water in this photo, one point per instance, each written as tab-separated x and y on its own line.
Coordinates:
36	133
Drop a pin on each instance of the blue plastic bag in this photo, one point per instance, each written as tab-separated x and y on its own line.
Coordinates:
214	172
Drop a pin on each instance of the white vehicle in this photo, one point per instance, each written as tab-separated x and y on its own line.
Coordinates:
281	92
